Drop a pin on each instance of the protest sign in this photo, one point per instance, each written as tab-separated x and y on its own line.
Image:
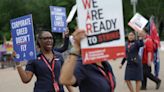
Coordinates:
103	22
138	22
23	38
72	13
58	19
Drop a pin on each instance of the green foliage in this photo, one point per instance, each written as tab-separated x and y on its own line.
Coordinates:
10	9
146	8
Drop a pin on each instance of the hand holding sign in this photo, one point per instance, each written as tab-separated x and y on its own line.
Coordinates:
66	33
78	35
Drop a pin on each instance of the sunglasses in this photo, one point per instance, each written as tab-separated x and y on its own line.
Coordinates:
46	38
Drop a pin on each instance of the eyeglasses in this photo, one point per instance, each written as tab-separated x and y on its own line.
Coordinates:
46	38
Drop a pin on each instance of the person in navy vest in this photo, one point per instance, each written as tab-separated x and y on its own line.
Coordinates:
46	67
133	70
96	77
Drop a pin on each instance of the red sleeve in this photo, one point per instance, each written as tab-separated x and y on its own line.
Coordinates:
149	45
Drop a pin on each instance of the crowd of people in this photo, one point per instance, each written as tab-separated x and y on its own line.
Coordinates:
139	62
6	50
53	72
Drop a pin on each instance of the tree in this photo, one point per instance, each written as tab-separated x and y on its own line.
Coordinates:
155	8
39	9
146	8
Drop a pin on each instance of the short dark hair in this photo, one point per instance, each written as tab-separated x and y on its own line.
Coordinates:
133	32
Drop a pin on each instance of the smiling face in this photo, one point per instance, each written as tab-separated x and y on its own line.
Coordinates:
46	41
131	36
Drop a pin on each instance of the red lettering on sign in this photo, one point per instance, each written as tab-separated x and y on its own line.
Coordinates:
88	16
88	27
86	3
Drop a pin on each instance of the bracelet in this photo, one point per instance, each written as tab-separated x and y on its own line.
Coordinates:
19	65
73	50
74	54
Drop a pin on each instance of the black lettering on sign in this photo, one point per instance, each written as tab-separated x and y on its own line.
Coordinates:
102	38
106	25
97	14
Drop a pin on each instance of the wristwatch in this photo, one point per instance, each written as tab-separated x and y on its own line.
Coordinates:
74	52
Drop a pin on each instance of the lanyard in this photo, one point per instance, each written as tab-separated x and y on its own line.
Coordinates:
55	84
109	77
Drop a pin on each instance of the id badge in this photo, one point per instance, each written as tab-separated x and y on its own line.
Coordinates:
56	86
